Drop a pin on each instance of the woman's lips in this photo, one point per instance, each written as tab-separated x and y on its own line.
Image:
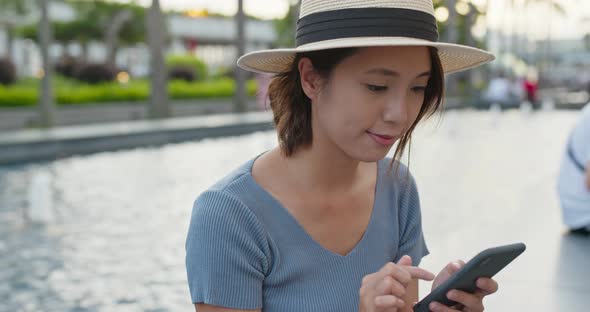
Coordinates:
382	139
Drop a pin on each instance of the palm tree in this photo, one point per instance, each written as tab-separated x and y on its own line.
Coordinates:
158	106
286	26
452	27
46	99
15	9
111	35
452	34
46	102
295	10
240	75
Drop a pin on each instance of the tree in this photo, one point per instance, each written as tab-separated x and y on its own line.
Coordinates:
452	25
112	23
46	101
452	37
15	9
81	31
158	106
117	23
240	96
286	26
112	34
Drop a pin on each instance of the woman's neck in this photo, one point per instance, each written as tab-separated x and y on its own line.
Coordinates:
319	169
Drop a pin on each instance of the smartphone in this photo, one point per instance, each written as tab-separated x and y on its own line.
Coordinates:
485	264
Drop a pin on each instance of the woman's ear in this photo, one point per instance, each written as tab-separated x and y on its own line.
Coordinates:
310	79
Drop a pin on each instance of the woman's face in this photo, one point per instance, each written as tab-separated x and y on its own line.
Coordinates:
370	100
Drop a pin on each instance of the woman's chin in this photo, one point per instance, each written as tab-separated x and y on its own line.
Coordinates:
369	155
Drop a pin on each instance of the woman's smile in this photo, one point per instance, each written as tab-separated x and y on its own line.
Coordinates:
382	139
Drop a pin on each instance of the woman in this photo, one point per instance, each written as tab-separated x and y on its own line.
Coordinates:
323	222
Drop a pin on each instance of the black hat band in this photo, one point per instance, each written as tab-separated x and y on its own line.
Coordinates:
366	22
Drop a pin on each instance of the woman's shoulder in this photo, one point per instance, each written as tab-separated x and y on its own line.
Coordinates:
395	173
227	194
238	175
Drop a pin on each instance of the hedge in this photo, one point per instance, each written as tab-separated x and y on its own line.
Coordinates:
187	61
25	93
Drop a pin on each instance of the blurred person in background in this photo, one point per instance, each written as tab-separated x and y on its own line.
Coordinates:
502	92
530	85
574	177
324	221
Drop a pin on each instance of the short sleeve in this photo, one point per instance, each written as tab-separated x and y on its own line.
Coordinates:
226	257
412	241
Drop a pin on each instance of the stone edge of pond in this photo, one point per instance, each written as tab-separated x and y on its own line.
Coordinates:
24	146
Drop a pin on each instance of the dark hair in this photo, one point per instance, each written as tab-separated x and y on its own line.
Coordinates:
292	108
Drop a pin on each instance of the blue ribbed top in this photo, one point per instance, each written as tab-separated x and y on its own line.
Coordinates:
244	250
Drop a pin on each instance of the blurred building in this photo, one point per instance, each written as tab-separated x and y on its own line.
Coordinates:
569	62
210	38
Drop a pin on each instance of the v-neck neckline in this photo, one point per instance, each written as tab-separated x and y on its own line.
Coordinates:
283	210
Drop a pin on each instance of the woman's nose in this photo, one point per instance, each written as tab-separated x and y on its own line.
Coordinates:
396	110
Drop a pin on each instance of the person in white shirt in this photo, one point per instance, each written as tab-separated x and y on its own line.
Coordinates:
574	177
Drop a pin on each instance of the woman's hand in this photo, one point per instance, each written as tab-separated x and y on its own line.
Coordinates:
384	290
467	302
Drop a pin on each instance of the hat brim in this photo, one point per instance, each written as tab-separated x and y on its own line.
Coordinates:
454	57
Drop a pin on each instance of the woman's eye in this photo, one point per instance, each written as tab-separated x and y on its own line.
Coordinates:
419	89
376	88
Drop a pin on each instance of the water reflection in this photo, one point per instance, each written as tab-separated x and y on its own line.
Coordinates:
106	232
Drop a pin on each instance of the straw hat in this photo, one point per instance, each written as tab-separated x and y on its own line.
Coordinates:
330	24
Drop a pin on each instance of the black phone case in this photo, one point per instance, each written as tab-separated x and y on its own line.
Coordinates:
485	264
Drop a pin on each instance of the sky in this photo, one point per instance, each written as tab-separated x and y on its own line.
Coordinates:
538	22
259	8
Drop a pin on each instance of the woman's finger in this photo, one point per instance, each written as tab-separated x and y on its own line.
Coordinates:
438	307
389	301
487	286
395	271
419	273
389	286
470	301
415	272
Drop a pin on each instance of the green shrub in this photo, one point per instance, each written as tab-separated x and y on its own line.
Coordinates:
17	96
199	67
213	89
251	87
107	92
67	91
222	88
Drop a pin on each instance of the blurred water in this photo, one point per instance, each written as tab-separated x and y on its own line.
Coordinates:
106	232
112	239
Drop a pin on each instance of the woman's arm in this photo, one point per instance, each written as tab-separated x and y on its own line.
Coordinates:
210	308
